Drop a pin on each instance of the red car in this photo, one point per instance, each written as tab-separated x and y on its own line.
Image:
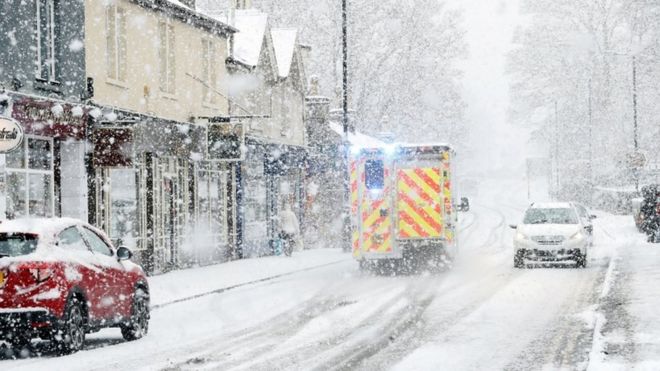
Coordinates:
62	278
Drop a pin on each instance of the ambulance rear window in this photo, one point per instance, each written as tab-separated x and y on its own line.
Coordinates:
375	174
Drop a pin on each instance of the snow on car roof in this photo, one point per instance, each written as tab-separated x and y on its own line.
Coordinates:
551	205
39	226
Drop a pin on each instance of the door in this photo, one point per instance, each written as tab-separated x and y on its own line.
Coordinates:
210	231
375	208
168	214
419	201
82	269
112	292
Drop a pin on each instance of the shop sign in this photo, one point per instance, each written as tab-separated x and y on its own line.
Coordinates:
226	141
49	118
11	134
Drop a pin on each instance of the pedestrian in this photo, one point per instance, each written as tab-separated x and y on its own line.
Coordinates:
649	212
289	229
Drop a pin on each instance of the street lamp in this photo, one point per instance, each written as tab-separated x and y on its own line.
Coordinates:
634	104
344	120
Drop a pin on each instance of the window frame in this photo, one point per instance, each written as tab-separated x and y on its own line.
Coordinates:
209	71
46	65
167	58
86	230
27	171
116	43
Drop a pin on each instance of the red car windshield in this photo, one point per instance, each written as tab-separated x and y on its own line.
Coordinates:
17	244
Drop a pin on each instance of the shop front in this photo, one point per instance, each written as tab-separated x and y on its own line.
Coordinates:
273	177
154	192
44	176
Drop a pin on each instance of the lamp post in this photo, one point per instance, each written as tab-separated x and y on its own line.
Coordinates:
636	154
344	120
635	138
344	39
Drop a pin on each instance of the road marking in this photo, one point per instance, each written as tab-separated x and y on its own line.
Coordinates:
598	339
232	287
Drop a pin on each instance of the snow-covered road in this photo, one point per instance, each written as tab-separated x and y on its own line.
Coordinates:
481	314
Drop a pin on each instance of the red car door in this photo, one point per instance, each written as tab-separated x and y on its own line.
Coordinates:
115	294
81	268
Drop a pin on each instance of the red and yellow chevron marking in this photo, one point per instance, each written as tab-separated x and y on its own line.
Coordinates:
419	204
376	228
446	188
354	186
356	242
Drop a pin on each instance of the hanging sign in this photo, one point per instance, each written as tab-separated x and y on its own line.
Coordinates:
11	134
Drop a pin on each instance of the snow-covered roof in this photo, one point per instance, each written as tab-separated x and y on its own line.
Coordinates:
248	42
357	139
178	3
284	43
197	16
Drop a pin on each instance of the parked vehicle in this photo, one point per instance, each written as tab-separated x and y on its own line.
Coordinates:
587	220
62	278
551	233
637	212
649	212
403	206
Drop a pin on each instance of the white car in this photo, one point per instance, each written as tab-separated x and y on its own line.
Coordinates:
551	232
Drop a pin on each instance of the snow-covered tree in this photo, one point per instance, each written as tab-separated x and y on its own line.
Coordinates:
573	80
403	61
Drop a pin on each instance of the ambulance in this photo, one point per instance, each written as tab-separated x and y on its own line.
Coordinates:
403	210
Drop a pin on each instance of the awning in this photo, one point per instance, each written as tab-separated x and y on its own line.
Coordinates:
117	142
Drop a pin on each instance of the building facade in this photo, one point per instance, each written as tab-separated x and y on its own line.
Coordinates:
42	86
267	95
152	182
119	102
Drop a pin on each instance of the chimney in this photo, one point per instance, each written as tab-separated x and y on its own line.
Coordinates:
317	114
242	4
189	3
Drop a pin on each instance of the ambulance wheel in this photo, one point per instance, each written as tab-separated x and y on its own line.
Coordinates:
519	260
364	266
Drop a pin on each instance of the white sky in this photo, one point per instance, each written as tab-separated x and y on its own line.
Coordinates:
495	144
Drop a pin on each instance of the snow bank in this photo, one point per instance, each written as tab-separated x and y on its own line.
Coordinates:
179	285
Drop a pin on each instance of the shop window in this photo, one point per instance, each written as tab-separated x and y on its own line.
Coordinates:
39	154
124	207
30	179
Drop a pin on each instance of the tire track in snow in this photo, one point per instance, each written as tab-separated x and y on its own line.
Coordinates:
243	347
485	289
249	283
568	338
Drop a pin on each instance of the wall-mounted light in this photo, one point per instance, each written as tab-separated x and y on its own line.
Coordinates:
4	102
